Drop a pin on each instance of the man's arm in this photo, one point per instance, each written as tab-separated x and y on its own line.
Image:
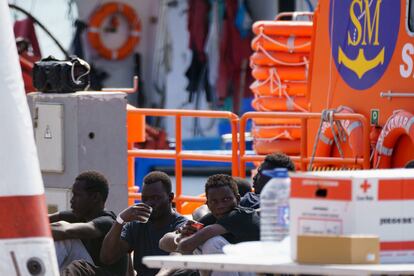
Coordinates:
65	215
63	230
188	244
113	247
169	241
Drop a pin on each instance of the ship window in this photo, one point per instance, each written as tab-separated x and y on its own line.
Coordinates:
411	15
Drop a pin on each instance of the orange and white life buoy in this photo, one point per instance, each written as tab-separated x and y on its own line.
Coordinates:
400	124
284	28
283	103
269	88
95	30
351	143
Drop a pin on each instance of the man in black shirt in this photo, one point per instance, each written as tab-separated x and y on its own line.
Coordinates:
227	222
79	233
140	227
272	161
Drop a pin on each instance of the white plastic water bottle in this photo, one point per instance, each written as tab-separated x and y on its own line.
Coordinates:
274	206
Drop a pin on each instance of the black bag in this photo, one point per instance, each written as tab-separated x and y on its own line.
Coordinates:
61	76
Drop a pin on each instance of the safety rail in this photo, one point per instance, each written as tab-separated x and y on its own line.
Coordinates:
179	154
303	159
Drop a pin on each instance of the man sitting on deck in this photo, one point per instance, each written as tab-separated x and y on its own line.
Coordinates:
79	233
140	227
227	222
271	161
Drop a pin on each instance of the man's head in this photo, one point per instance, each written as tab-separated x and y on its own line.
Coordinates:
89	193
222	194
271	161
243	185
409	165
157	193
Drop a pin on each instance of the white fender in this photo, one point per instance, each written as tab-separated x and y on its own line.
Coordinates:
26	245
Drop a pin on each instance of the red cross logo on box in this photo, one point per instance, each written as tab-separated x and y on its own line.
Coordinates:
365	186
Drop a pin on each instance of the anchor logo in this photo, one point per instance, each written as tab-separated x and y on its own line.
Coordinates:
360	65
363	37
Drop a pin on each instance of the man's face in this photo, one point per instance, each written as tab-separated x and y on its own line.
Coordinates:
155	196
81	200
221	200
260	180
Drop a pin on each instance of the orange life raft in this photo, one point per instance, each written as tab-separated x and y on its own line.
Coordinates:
282	27
281	43
266	146
270	58
269	88
297	73
283	103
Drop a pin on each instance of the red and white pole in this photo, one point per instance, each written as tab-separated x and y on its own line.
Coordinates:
26	244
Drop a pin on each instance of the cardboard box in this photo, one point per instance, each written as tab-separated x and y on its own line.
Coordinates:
370	202
323	249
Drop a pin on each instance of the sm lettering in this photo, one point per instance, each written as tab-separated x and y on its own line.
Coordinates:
368	32
406	68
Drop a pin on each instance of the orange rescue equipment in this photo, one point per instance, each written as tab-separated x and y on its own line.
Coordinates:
400	124
283	103
290	44
348	133
270	58
272	88
266	146
296	73
291	132
107	11
285	28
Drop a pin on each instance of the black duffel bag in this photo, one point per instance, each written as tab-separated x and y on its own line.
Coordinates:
61	76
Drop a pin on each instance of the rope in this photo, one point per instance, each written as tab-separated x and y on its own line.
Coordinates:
274	78
318	134
284	134
274	73
274	41
328	102
278	61
327	117
340	131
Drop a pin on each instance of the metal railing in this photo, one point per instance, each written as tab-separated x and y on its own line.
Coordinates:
179	154
238	156
304	159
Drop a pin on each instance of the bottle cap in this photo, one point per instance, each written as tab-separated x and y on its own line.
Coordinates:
276	173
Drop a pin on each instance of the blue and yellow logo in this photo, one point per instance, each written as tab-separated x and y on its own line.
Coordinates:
363	36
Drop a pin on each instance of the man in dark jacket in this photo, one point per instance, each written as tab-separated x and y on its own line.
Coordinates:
271	161
226	223
140	227
79	233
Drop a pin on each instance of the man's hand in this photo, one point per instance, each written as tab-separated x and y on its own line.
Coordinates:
187	229
59	230
59	224
140	212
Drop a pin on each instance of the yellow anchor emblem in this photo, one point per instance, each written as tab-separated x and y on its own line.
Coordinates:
360	65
